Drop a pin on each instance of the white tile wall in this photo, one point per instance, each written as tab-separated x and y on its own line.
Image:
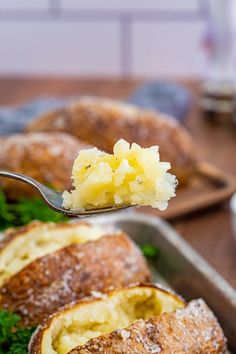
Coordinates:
23	4
133	5
57	48
77	39
167	49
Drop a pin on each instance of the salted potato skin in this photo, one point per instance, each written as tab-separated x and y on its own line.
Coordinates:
47	157
102	122
21	246
71	274
193	329
35	345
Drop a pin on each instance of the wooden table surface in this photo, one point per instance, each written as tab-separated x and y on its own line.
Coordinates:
210	232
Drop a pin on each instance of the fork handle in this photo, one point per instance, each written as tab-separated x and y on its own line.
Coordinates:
20	177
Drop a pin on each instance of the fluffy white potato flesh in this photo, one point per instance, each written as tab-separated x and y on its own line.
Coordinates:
76	326
130	176
41	239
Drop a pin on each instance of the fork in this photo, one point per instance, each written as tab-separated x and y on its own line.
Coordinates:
54	198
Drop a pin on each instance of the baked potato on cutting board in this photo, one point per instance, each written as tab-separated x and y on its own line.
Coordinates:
102	122
139	319
45	266
47	157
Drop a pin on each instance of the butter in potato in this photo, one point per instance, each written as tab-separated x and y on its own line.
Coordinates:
130	176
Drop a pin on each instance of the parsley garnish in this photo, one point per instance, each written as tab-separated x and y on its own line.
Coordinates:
14	338
24	211
150	251
6	216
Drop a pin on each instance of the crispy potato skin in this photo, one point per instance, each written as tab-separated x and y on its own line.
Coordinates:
47	157
193	329
71	274
103	122
36	340
13	233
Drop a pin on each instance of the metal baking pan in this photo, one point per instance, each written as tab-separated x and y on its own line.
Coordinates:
180	266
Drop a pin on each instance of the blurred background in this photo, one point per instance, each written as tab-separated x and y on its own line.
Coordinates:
174	56
105	38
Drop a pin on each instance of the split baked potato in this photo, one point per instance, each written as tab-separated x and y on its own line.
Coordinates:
102	122
21	246
45	266
139	319
47	157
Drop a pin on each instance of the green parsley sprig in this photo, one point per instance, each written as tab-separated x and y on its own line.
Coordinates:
14	338
150	251
24	211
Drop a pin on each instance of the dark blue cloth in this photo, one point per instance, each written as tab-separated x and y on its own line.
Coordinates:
15	120
170	98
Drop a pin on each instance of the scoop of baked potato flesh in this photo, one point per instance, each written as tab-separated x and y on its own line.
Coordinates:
37	240
77	325
130	176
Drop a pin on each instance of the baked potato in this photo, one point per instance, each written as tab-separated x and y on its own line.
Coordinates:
102	122
138	319
21	246
47	157
57	264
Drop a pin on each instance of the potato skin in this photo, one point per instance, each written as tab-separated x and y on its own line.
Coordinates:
102	123
47	157
36	340
71	274
11	234
193	329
